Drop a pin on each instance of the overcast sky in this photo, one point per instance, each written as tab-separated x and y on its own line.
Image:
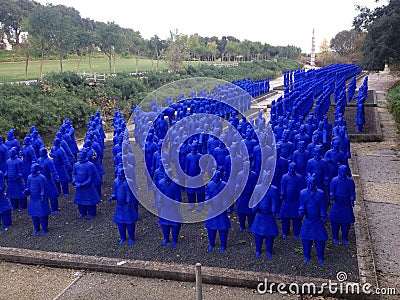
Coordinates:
278	22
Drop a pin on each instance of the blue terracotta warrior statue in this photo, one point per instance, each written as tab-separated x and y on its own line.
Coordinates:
28	156
15	181
38	208
264	226
125	214
3	156
48	169
86	196
217	218
170	217
62	165
291	185
342	194
5	205
313	208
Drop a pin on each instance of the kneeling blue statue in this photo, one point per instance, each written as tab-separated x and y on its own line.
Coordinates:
125	214
38	208
313	208
343	195
86	196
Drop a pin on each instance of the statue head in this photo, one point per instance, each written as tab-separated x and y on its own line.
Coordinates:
83	155
13	152
35	169
43	152
342	171
311	181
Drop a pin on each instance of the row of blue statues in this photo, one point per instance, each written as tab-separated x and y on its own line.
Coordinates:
309	171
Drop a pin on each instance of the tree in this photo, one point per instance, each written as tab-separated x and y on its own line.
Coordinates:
41	22
176	52
83	44
347	42
12	15
134	43
156	47
325	55
67	25
382	42
212	48
109	39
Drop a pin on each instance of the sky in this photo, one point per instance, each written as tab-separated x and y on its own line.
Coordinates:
278	23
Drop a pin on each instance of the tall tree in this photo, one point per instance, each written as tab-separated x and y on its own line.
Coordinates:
156	47
40	25
346	42
12	15
382	43
177	51
109	39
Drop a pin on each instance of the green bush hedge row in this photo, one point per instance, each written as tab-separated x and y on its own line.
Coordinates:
394	102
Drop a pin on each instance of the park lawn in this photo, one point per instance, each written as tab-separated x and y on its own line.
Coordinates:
15	71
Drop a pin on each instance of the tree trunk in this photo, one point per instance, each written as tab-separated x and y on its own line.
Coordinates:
137	63
26	64
90	64
79	63
152	65
109	62
61	66
114	61
157	65
41	67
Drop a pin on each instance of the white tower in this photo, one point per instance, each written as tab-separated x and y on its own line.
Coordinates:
312	61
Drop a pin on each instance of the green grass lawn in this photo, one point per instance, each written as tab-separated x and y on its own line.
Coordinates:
15	71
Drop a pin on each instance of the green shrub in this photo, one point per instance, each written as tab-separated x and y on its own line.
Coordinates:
394	102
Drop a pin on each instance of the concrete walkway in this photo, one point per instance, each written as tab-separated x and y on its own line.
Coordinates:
379	174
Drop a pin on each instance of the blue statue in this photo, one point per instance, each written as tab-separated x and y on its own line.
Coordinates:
264	225
5	205
29	156
170	217
319	166
335	158
247	185
125	214
342	194
291	185
62	165
192	169
15	181
313	207
287	147
3	156
38	208
48	169
300	158
86	196
217	217
12	141
37	142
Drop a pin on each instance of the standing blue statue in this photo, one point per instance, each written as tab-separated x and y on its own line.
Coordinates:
291	185
86	196
5	205
125	214
38	208
170	217
193	170
12	141
313	207
28	156
264	225
62	165
15	181
342	194
247	185
3	156
217	217
49	171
